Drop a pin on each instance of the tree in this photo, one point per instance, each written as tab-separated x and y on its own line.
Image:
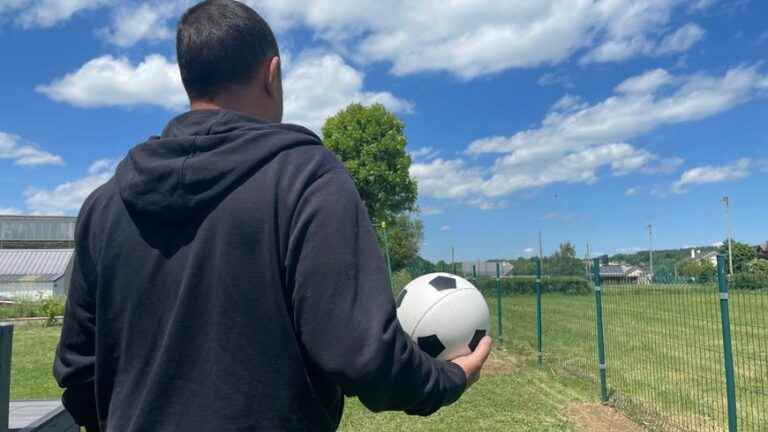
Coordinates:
564	262
371	144
405	235
742	254
699	270
757	267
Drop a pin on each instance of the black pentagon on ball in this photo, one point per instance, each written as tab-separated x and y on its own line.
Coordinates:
443	283
401	296
431	345
479	334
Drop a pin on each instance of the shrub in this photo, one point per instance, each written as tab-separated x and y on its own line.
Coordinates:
51	308
527	285
400	279
749	281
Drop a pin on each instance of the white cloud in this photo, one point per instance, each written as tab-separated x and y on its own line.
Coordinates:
713	174
681	40
9	211
646	83
633	191
445	228
108	81
550	79
572	145
46	13
13	147
424	153
67	198
468	39
132	23
316	85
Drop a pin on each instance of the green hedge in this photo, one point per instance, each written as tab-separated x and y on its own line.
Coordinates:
749	281
527	285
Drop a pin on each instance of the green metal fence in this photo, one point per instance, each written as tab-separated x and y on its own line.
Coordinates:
675	356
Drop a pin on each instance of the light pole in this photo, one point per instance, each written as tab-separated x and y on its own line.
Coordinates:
727	202
650	243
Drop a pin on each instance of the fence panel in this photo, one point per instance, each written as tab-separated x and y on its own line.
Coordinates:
665	354
749	328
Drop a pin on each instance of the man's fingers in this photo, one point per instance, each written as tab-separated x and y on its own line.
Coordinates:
483	350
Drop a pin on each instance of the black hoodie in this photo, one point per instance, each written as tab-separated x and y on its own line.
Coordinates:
228	279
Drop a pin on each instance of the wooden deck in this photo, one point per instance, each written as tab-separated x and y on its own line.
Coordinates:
39	416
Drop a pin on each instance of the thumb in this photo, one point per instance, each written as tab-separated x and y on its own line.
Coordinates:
482	351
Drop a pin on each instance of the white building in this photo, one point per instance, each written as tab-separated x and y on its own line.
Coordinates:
34	274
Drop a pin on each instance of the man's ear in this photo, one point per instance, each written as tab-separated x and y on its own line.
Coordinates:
273	83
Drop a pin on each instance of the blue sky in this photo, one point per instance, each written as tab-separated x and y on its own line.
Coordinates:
586	120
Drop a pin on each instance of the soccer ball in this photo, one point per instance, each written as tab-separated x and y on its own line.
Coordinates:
444	314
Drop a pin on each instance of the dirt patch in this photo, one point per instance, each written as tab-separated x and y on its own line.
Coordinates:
501	362
600	418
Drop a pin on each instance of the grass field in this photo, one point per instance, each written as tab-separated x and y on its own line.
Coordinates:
664	350
513	394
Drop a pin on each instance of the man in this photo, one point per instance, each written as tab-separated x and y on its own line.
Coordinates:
228	277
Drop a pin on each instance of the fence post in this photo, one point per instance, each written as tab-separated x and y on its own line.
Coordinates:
6	343
730	382
600	338
538	312
474	273
498	301
386	253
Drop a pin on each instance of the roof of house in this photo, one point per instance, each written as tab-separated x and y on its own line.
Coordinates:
33	265
619	270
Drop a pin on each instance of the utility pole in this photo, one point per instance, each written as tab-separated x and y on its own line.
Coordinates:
586	260
541	253
453	262
650	244
727	202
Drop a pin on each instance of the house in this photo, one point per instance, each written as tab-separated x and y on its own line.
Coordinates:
34	274
698	255
624	273
487	268
762	250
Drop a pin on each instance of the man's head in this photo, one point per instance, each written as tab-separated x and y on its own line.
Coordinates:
228	57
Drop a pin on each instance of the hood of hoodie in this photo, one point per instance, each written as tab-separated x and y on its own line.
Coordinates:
199	159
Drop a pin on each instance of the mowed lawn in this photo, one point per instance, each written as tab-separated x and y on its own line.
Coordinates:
664	350
513	394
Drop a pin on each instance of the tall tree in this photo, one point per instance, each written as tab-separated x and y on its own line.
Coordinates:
371	144
742	254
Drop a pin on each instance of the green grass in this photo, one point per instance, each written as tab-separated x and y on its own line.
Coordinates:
34	347
663	349
512	395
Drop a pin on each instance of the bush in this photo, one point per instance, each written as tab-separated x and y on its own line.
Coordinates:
399	280
527	285
49	308
749	281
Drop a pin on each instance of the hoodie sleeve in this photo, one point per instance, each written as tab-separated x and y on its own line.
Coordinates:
74	364
344	310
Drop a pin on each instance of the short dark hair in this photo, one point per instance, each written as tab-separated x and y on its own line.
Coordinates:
220	43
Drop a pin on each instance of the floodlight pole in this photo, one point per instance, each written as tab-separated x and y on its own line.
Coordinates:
727	202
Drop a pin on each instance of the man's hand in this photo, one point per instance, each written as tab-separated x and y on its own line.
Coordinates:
473	363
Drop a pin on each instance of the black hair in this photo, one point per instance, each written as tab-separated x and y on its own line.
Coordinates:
220	43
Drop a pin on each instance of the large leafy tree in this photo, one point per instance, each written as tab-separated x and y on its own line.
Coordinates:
371	144
370	141
742	254
564	262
